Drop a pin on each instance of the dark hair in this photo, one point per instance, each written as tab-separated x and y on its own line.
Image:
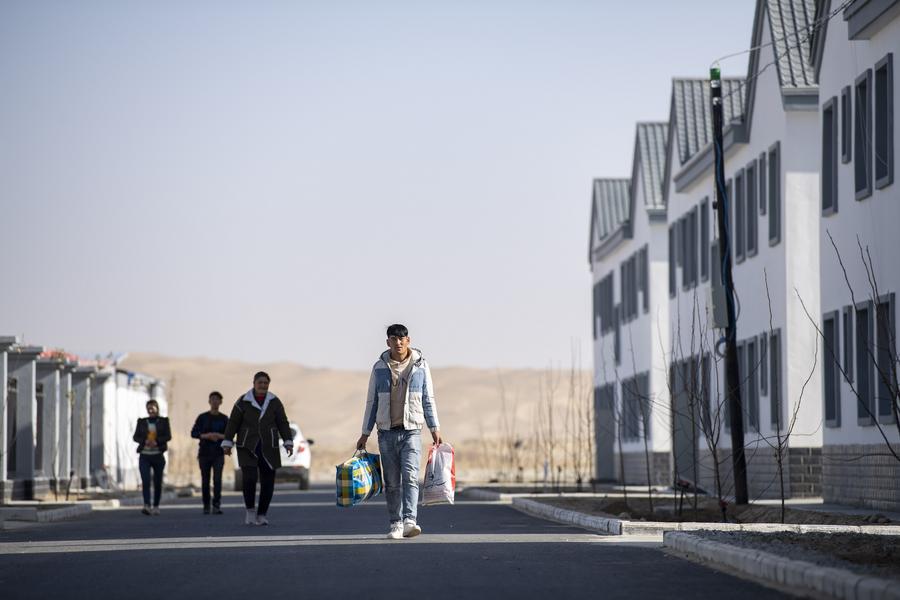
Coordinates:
260	375
152	401
397	330
216	394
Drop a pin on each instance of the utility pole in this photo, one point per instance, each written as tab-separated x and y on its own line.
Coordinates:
732	370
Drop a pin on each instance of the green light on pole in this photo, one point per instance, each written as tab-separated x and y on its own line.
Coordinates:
715	74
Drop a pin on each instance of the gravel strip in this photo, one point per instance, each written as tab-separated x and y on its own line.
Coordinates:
876	555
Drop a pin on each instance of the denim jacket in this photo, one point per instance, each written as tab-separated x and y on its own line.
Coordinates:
418	407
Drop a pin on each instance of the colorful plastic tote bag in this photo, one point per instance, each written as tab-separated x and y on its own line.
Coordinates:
440	476
358	479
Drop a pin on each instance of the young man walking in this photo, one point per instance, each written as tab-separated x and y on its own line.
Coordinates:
209	428
399	401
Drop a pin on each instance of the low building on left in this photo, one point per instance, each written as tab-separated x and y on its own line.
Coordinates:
66	423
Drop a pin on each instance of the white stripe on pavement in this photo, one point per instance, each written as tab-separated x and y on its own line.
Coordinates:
186	543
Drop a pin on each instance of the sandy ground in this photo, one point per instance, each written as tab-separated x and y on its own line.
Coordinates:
328	405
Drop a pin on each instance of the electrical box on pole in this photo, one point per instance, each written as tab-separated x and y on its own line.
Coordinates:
732	371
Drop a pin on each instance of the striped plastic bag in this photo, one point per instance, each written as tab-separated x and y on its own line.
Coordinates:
440	476
358	479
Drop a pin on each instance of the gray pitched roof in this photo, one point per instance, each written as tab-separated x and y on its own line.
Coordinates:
693	113
610	208
791	26
650	161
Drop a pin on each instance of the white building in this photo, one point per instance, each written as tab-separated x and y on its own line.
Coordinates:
772	183
67	424
860	206
628	256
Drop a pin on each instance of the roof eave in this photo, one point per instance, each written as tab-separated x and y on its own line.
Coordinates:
702	161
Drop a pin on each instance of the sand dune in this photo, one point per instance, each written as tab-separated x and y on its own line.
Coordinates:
328	404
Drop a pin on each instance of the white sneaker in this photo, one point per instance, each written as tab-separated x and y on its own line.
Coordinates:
396	532
154	511
261	520
250	519
410	529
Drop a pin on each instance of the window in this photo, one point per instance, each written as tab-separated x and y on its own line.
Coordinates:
645	278
764	363
846	125
704	239
685	253
606	306
707	395
596	304
848	343
884	121
761	188
629	422
886	358
739	215
693	265
617	340
775	380
865	404
12	394
751	401
862	137
774	194
831	379
751	209
829	158
671	261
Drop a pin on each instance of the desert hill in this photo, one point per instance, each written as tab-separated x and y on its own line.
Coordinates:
328	405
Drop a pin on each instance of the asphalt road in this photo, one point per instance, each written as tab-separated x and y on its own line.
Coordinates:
312	549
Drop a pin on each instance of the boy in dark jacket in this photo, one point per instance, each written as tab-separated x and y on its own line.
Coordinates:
152	435
209	428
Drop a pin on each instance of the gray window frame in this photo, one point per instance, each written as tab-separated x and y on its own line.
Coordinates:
762	186
846	125
848	314
829	166
763	346
752	226
673	276
885	416
775	381
831	322
645	277
704	239
692	247
752	382
774	193
864	364
884	124
739	216
862	136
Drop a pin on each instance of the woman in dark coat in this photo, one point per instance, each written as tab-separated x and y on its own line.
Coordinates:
258	419
152	436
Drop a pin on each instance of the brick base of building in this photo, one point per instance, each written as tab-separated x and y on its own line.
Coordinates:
801	472
636	468
864	475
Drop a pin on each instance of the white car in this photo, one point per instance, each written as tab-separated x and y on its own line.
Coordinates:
293	468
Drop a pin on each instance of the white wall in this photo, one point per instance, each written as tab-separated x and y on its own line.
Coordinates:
874	219
792	263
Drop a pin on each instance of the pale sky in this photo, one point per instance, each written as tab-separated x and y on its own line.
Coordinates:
281	180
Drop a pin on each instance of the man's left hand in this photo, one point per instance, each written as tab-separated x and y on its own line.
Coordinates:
436	436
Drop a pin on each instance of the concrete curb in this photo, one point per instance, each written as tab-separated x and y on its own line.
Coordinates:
797	575
485	495
657	528
127	501
36	514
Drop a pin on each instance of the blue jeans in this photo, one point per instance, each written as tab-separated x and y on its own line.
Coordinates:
400	450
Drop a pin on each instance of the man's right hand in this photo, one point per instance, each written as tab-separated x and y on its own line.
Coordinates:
361	442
